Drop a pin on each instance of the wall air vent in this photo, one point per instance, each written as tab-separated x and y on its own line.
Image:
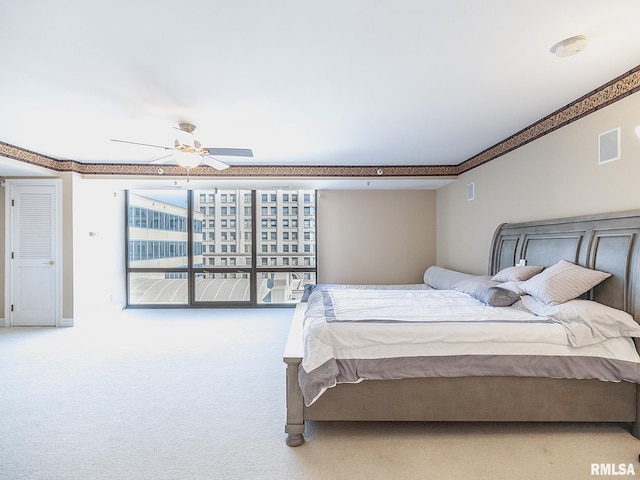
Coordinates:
470	191
609	146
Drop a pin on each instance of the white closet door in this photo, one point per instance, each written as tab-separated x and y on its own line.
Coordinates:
34	289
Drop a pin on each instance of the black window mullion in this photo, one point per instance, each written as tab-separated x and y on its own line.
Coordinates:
253	276
191	281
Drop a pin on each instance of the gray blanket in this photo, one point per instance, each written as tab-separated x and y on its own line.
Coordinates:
548	366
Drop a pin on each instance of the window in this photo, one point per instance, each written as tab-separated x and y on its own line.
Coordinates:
177	258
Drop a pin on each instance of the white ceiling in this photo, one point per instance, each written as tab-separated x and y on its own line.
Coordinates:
358	82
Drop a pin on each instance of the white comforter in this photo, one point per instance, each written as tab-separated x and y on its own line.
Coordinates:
371	324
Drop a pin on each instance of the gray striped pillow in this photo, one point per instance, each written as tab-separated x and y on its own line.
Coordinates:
561	282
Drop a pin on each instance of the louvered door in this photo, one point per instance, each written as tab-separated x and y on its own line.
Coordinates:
35	266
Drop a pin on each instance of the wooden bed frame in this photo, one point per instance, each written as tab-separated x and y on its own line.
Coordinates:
603	242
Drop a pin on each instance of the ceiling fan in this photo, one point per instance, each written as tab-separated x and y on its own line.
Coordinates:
189	153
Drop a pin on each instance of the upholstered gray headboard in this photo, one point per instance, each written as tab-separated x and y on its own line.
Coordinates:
603	242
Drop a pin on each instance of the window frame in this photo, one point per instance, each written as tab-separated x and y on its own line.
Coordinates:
254	270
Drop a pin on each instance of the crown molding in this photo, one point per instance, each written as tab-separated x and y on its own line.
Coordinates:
34	158
611	92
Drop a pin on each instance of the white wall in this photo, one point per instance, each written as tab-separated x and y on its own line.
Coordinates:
98	246
555	176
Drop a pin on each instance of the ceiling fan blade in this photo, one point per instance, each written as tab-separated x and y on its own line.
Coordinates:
143	144
164	159
212	162
231	152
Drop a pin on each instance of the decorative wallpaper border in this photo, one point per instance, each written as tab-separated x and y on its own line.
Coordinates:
617	89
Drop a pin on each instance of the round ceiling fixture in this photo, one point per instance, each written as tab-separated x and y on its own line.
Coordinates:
569	46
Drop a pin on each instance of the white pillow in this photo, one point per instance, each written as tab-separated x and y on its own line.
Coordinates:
517	273
587	322
562	281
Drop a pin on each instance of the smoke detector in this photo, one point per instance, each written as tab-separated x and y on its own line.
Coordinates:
569	46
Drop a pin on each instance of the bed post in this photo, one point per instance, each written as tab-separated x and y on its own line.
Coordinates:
635	426
293	353
295	407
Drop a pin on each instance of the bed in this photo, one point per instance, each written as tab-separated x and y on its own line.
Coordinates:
600	243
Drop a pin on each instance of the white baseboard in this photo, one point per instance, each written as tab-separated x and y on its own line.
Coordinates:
66	322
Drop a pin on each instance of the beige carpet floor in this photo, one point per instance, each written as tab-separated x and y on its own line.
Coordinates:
173	394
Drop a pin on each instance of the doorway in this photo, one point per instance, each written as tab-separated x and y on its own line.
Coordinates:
33	252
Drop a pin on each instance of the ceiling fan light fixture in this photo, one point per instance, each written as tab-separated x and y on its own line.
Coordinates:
188	152
186	159
569	46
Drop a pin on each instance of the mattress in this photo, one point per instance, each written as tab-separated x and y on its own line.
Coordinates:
351	335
